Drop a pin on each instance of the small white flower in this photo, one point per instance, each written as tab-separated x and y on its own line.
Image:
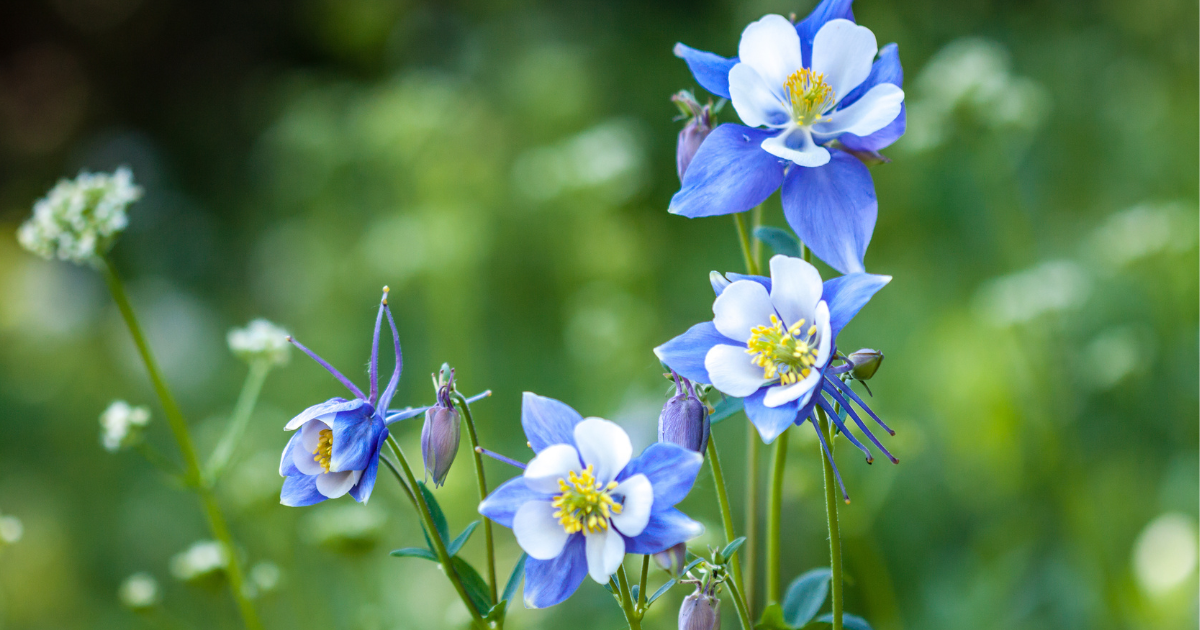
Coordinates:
260	340
11	530
202	559
139	591
265	576
121	424
79	219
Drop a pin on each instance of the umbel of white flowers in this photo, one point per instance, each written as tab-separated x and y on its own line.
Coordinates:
260	340
79	219
121	425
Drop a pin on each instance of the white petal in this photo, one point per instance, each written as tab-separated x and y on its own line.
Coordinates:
795	289
310	434
740	307
874	111
335	484
756	102
635	512
605	551
843	52
604	445
772	47
304	461
731	372
537	531
825	343
796	144
782	394
553	463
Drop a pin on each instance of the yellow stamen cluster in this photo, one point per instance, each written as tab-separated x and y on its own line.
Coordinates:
584	504
324	449
786	353
811	95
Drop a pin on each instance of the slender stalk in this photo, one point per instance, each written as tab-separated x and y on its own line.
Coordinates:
483	492
750	549
399	479
739	603
641	605
631	615
835	537
744	239
178	425
774	513
714	461
242	411
439	546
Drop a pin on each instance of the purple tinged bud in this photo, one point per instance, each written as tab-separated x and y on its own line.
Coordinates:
684	418
866	362
440	434
673	559
700	611
700	123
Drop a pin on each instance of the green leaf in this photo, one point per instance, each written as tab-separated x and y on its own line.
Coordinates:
457	543
727	407
662	590
772	619
781	241
633	592
851	622
477	589
498	611
732	547
435	510
805	596
514	580
415	552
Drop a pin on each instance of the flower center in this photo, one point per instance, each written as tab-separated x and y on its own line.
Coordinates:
785	353
583	504
324	449
811	95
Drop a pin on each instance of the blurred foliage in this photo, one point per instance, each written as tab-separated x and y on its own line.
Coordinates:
505	166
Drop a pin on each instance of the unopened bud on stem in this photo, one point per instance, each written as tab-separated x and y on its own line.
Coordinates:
684	418
441	432
700	611
700	123
866	362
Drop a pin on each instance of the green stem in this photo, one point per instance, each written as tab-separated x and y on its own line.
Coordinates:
631	615
483	492
400	480
178	425
744	240
714	461
641	605
739	603
835	537
439	546
242	411
750	552
774	507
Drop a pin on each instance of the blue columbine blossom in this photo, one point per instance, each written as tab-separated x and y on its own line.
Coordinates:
336	450
803	91
772	342
584	501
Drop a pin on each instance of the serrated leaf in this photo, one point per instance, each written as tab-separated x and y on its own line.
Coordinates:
458	543
851	622
732	547
772	619
805	596
727	407
415	552
477	589
514	579
780	241
435	510
498	611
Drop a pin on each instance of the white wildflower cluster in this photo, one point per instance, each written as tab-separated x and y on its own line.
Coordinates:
203	559
11	530
260	340
121	425
79	219
139	591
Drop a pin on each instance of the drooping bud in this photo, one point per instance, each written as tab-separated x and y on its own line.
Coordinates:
700	611
866	362
441	432
672	559
684	418
699	124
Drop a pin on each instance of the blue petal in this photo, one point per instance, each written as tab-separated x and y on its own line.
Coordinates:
502	504
362	490
666	529
886	69
300	491
549	582
404	414
730	173
847	294
355	439
671	470
547	421
711	70
287	467
881	139
832	208
808	27
770	421
333	405
685	353
763	280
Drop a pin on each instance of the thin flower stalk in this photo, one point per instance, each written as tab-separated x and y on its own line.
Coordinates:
483	491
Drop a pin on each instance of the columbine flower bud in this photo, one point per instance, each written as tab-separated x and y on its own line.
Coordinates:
121	425
866	362
260	340
79	219
139	591
684	419
440	435
699	125
672	559
700	611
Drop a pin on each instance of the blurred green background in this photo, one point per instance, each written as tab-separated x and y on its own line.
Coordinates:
505	166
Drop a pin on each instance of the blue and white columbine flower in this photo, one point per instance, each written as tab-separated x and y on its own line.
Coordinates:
336	450
584	502
772	342
799	88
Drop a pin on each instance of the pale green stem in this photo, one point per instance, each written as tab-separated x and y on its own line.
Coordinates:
835	537
750	552
774	512
238	421
178	425
627	606
739	603
483	492
641	605
714	461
